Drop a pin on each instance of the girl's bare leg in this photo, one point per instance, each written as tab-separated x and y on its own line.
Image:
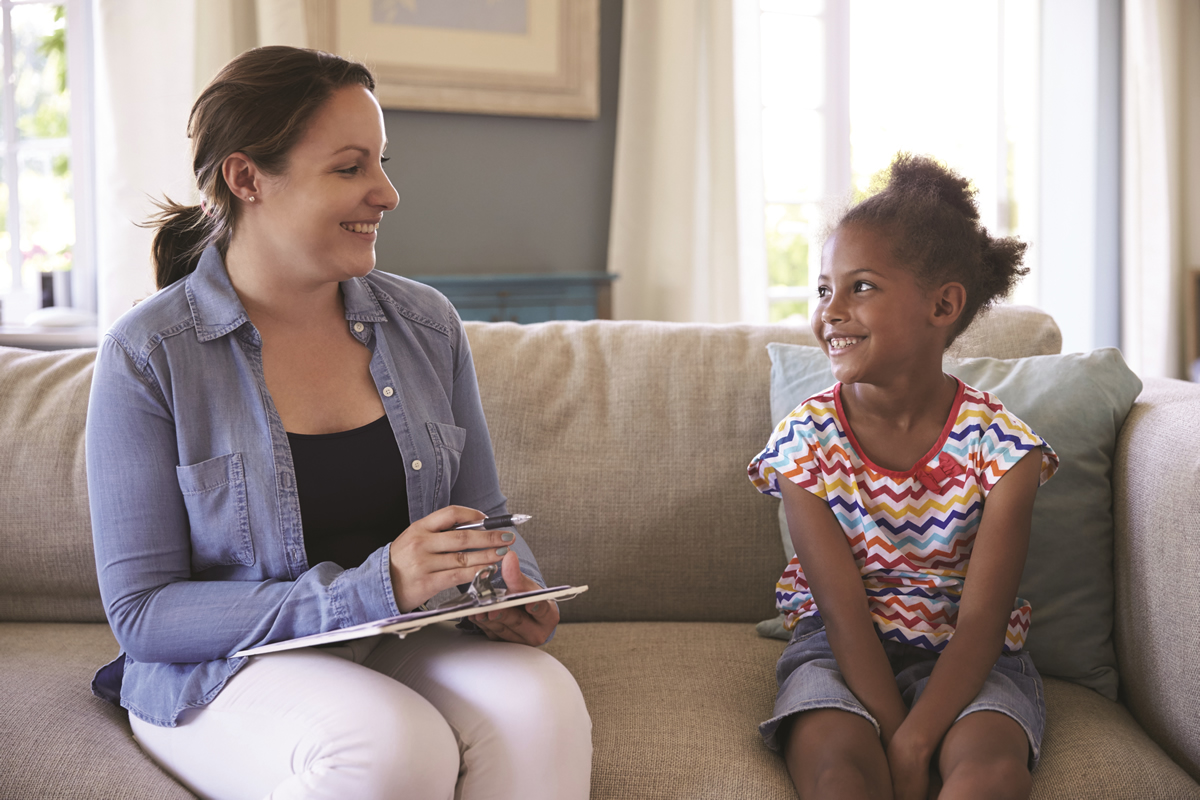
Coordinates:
836	754
985	755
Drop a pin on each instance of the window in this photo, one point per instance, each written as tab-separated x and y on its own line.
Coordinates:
45	176
846	84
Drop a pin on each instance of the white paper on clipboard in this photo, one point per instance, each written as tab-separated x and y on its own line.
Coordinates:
415	620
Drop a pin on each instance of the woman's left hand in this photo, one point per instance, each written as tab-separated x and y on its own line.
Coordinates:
531	624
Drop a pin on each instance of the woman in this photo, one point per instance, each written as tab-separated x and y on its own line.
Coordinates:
259	431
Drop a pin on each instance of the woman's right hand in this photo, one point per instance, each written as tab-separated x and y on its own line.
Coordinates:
429	557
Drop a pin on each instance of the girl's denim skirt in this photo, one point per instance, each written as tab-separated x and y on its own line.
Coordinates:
809	679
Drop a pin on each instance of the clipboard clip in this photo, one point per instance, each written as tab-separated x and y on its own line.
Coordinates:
481	591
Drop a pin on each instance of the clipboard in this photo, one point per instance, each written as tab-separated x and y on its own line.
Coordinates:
480	596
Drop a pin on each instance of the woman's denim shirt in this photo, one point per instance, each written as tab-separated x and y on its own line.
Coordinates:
195	514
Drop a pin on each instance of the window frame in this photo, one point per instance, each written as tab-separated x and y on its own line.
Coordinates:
81	117
835	18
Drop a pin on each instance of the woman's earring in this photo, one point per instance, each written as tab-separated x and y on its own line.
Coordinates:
250	198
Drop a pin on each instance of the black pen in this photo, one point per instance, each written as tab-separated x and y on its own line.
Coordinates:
491	523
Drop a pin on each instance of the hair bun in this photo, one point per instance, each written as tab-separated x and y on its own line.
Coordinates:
921	176
928	212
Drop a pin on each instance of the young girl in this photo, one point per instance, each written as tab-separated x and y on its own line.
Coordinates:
900	673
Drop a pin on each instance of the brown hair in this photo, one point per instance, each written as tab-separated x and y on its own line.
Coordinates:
929	212
259	104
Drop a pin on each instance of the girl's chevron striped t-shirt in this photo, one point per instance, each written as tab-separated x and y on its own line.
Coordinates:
911	532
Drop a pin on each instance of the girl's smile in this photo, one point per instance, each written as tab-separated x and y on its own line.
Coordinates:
873	318
840	344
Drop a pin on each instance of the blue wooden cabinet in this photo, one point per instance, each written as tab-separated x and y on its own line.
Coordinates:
527	298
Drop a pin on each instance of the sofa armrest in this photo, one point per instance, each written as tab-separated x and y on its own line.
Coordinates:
1157	560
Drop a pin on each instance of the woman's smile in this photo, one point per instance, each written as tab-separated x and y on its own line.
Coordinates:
365	229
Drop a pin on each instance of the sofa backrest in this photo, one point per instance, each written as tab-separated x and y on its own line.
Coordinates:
627	441
47	568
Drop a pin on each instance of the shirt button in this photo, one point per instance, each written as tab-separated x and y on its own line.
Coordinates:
417	465
358	327
388	391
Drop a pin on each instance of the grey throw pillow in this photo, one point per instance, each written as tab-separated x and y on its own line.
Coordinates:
1078	403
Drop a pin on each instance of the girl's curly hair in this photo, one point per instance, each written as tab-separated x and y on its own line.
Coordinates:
929	212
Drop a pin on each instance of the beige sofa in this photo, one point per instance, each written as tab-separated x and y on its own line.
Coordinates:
628	442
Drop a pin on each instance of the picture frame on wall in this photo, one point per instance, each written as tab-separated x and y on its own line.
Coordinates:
512	57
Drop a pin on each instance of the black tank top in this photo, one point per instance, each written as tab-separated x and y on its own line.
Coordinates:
352	491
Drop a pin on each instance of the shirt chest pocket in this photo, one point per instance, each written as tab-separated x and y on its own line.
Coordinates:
448	443
214	492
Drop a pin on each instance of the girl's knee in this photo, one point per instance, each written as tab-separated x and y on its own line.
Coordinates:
996	777
835	753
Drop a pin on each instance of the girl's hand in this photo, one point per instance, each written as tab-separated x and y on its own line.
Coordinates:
429	557
909	766
531	624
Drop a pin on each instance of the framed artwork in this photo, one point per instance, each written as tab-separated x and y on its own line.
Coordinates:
524	57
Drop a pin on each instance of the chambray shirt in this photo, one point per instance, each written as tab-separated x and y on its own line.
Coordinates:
195	513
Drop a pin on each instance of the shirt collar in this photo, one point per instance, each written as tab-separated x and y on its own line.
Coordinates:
217	310
360	300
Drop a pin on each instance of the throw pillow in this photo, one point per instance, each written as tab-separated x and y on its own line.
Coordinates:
1078	403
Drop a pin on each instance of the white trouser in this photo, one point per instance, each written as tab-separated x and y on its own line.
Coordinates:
437	715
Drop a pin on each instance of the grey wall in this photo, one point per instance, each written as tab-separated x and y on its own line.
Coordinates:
483	194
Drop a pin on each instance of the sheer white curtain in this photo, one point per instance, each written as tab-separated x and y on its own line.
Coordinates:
1156	46
686	235
152	58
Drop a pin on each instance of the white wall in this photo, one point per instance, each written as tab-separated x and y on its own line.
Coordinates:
1079	225
144	61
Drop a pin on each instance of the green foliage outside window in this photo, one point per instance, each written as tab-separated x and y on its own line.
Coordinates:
44	178
52	117
787	245
787	257
791	311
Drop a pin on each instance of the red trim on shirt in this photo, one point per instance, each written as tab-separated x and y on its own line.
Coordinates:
925	459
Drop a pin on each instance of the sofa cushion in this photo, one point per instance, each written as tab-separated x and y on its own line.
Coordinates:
47	571
59	740
675	710
1093	749
628	442
1078	403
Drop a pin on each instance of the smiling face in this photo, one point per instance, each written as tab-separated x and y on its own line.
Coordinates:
872	318
320	217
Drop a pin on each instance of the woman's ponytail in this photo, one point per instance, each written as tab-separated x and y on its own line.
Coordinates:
182	234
